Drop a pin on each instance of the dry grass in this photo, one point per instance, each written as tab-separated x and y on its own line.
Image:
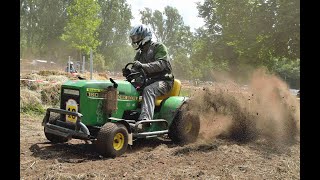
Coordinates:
30	101
41	94
50	95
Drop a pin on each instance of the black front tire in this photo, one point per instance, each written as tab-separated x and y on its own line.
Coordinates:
112	140
184	128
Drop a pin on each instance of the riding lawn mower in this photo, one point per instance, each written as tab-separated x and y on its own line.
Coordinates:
106	113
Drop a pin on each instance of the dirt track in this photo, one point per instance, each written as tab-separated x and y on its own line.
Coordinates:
157	159
266	156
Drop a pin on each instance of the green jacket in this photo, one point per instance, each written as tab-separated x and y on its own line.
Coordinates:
156	56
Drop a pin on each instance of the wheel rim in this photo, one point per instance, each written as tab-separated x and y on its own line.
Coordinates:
118	141
188	127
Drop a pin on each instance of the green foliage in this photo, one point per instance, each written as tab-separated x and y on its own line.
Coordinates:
115	25
41	25
81	28
30	102
238	36
249	33
124	55
120	56
169	28
288	71
33	109
99	63
114	33
181	66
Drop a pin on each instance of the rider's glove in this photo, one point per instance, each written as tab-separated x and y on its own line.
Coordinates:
138	64
125	72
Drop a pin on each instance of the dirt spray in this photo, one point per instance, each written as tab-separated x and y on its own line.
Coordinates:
264	109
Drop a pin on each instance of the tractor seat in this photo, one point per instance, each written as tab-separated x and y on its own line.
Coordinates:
175	91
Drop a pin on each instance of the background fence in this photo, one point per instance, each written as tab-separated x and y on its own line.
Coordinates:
35	65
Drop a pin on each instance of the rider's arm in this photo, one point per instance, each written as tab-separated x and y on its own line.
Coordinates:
161	62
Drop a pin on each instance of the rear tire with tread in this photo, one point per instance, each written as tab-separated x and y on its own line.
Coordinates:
184	128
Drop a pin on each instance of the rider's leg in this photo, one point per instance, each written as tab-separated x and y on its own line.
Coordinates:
149	95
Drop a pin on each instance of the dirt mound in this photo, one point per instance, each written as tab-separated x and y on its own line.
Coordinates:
265	109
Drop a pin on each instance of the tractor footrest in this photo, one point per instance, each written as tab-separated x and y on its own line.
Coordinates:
150	121
146	134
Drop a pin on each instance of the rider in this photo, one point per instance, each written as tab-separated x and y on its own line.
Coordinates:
72	69
153	58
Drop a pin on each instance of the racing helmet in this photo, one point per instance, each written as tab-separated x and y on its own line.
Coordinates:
140	34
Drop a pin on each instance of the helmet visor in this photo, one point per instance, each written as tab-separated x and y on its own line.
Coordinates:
136	38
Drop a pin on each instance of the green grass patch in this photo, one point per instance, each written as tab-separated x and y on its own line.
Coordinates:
36	109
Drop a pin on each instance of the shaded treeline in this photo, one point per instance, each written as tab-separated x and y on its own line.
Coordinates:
238	36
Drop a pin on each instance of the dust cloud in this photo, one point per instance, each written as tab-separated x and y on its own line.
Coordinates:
265	109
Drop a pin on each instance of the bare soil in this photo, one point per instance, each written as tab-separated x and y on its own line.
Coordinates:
244	134
154	159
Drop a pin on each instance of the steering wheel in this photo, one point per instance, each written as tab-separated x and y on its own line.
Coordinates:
137	77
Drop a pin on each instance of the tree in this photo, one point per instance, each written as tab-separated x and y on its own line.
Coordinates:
52	20
28	27
169	28
99	63
251	33
114	33
41	25
81	29
288	70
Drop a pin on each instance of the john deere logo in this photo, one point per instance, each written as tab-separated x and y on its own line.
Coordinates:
94	90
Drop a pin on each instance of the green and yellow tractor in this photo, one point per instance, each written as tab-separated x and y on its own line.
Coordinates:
106	112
